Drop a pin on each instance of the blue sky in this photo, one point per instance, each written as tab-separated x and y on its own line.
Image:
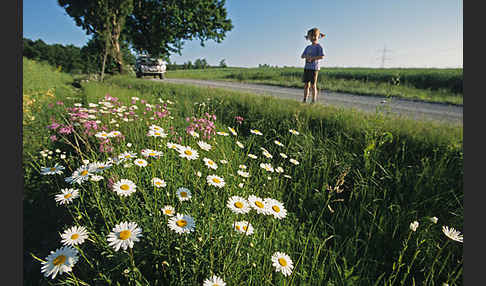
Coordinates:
415	33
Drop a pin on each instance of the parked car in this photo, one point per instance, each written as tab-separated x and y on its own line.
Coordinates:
145	65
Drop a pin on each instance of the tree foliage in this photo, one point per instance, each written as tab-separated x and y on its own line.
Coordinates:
160	28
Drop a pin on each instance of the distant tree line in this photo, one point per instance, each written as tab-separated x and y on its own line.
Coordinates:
198	64
75	60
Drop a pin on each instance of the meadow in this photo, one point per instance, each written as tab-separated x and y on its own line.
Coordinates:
429	85
174	185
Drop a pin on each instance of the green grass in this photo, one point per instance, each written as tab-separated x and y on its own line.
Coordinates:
361	180
430	85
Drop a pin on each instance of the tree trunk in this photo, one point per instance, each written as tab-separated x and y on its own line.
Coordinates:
104	59
116	45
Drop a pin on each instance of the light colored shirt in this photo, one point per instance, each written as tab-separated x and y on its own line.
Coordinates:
313	51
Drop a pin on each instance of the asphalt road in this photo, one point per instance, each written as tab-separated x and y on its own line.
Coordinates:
445	113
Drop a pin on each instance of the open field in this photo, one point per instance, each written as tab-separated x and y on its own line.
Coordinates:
346	187
431	85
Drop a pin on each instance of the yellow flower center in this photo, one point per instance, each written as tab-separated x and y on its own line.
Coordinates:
127	156
181	223
53	169
259	204
211	162
74	236
158	183
216	180
168	211
125	187
238	205
152	154
101	167
124	235
276	209
183	194
156	133
282	262
245	227
59	260
84	173
67	196
238	227
188	152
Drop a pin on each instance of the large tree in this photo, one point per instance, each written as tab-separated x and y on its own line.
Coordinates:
160	27
104	18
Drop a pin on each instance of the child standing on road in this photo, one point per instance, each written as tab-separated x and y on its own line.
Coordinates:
312	54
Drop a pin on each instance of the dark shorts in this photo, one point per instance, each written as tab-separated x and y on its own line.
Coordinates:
310	75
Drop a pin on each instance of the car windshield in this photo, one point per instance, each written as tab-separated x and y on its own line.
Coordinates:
147	61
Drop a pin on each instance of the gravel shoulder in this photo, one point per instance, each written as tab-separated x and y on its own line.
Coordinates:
444	113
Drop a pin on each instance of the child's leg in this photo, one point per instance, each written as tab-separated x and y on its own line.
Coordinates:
314	89
306	91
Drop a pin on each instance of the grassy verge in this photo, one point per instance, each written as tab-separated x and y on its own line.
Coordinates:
445	86
356	184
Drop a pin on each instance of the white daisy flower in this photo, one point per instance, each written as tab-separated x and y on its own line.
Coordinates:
173	146
283	155
243	173
452	233
183	194
267	166
267	154
243	227
414	225
434	219
256	132
194	134
275	208
157	133
188	153
278	143
242	166
252	156
293	161
282	263
159	183
204	146
60	261
96	178
74	235
124	187
240	144
238	205
279	169
258	204
151	153
102	135
156	128
295	132
67	196
114	134
232	130
287	176
223	161
216	181
126	156
140	162
168	210
80	175
181	223
199	174
222	133
214	281
99	167
210	163
56	170
124	235
240	185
